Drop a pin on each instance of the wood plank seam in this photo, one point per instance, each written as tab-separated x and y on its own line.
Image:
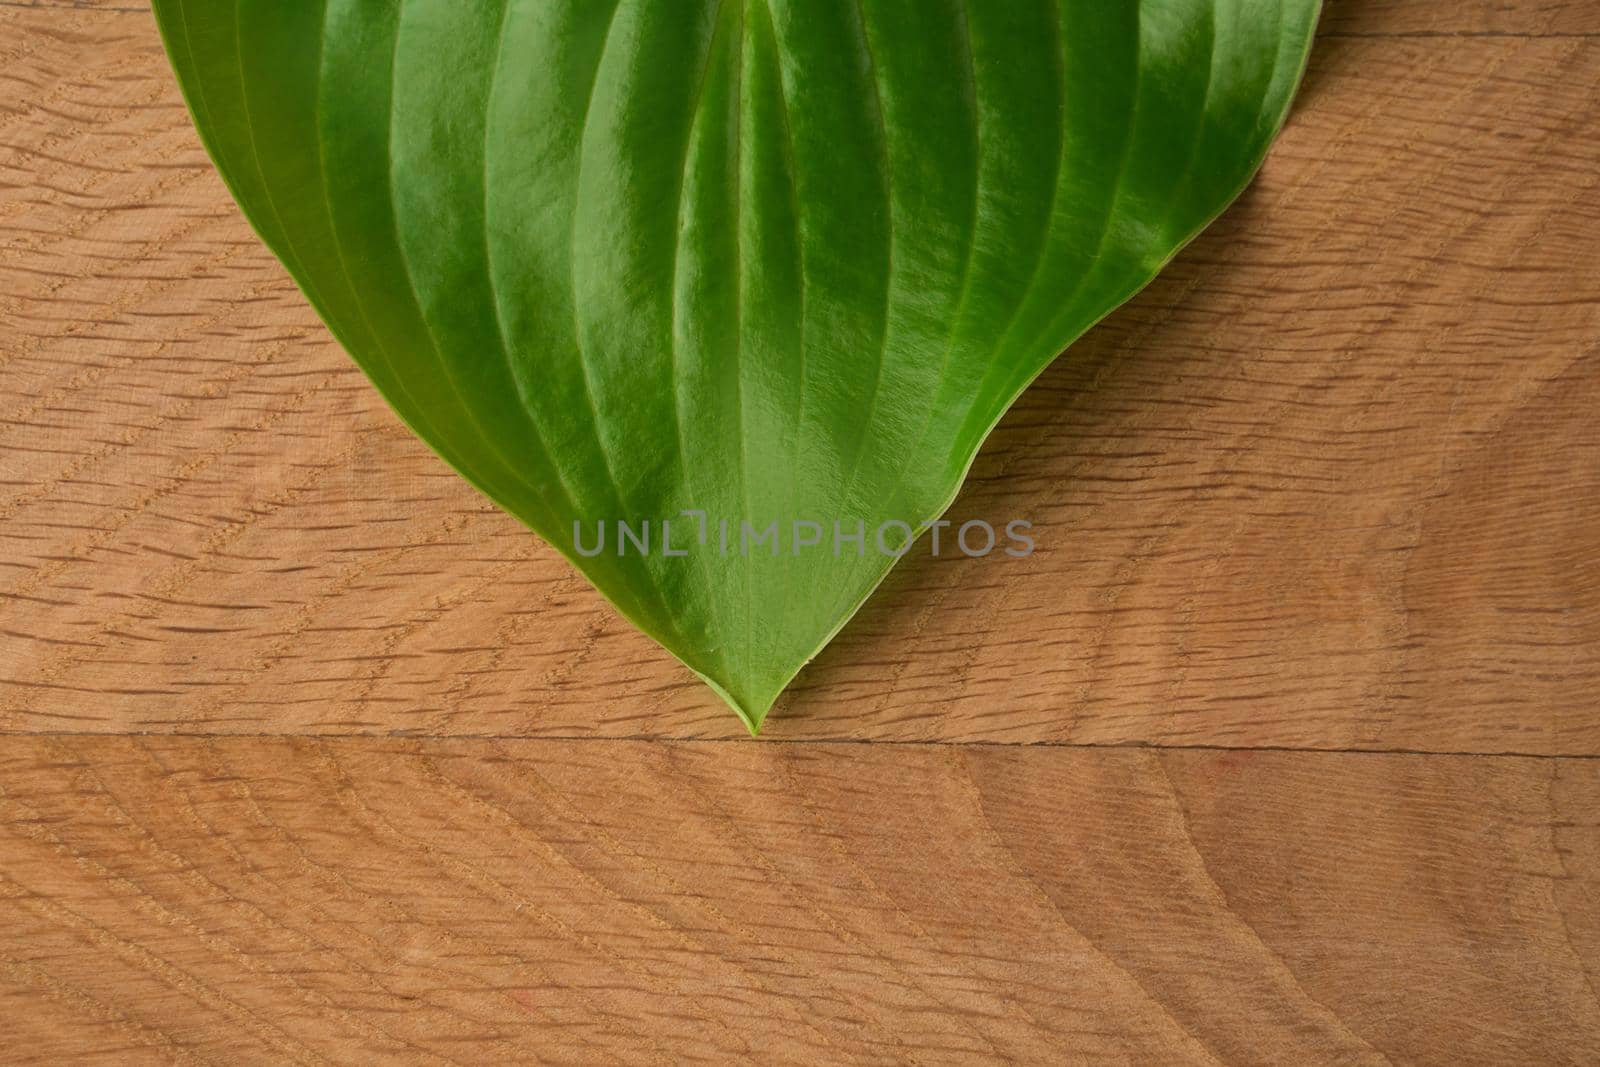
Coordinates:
840	742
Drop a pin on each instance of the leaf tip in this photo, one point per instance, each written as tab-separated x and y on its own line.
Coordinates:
751	708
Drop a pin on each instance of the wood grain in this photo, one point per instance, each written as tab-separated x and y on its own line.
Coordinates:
370	900
1511	18
1334	481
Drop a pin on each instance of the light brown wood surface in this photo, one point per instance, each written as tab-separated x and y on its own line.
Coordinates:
369	900
1318	518
1333	481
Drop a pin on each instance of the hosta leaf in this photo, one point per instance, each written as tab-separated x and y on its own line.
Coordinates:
766	260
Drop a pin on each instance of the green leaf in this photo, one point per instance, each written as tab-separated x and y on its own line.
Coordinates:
767	260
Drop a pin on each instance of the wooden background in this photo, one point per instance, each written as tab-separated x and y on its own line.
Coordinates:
1284	747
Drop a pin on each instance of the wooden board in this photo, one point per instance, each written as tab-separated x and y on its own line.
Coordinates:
1318	518
1505	18
1333	481
369	900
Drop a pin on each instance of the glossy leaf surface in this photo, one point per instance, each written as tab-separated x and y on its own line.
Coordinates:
765	261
